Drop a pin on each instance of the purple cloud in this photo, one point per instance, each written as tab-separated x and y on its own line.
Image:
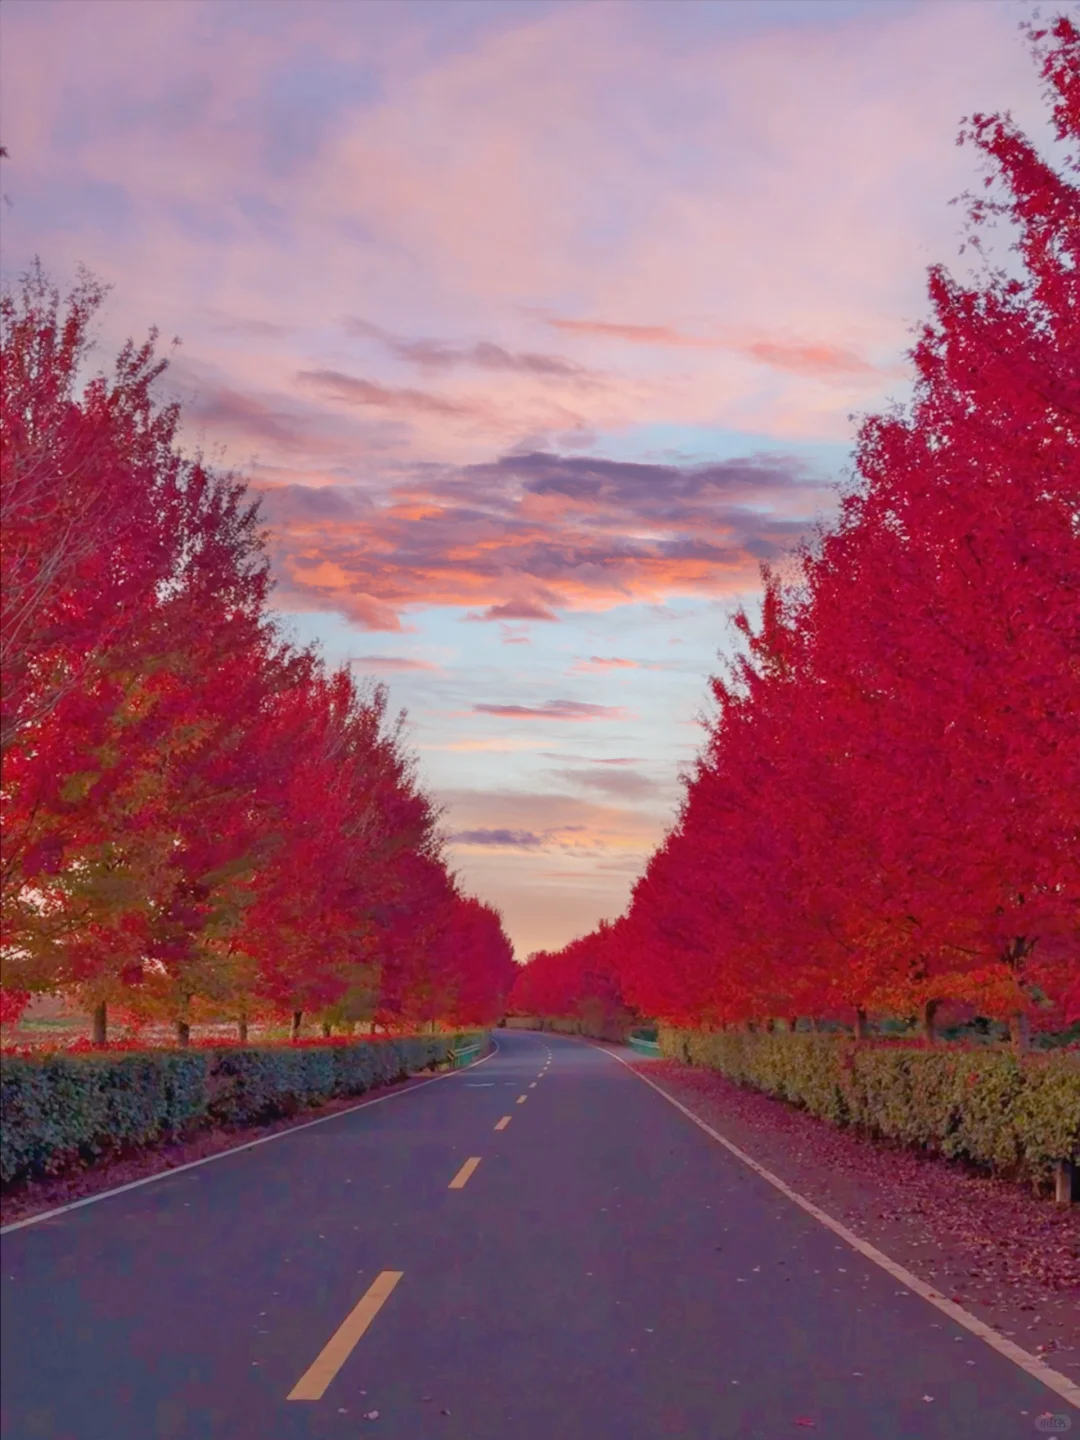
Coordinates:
514	610
484	355
351	390
508	839
625	783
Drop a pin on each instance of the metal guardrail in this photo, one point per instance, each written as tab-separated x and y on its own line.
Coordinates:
643	1047
461	1057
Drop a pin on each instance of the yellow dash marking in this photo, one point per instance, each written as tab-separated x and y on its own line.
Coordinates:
458	1182
502	1124
521	1099
533	1085
312	1384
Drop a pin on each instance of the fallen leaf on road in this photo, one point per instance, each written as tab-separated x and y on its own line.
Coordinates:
371	1414
928	1397
802	1420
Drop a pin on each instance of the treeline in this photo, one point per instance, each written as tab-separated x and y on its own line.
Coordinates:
201	820
885	815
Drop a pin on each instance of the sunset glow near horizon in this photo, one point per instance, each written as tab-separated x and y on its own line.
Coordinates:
538	326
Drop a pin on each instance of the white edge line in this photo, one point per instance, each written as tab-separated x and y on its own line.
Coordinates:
235	1149
1038	1369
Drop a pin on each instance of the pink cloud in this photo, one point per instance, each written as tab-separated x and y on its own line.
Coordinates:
799	358
634	334
554	710
600	662
363	203
390	662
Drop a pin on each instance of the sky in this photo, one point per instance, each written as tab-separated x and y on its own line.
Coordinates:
539	327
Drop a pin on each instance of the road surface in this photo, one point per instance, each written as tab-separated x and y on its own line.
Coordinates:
539	1247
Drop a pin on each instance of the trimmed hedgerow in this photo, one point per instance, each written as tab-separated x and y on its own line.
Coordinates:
60	1110
64	1109
1019	1118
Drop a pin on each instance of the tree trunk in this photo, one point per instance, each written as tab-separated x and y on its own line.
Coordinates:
1066	1182
297	1016
862	1028
1021	1033
770	1025
242	1028
793	1023
183	1033
327	1028
930	1009
99	1019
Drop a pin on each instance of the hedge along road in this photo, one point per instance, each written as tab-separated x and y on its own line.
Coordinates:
538	1245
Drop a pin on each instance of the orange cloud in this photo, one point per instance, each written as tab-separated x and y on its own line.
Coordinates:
390	662
814	360
600	662
554	710
528	536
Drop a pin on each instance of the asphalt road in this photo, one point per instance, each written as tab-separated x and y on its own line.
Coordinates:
604	1272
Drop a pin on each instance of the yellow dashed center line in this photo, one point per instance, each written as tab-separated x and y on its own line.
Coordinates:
521	1099
533	1085
502	1124
312	1384
458	1182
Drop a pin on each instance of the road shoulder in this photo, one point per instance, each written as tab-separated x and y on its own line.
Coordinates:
1007	1257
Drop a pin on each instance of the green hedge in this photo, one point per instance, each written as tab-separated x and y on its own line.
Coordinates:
1019	1118
65	1109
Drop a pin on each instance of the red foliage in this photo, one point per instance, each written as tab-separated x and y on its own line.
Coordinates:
580	981
200	821
12	1005
886	811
